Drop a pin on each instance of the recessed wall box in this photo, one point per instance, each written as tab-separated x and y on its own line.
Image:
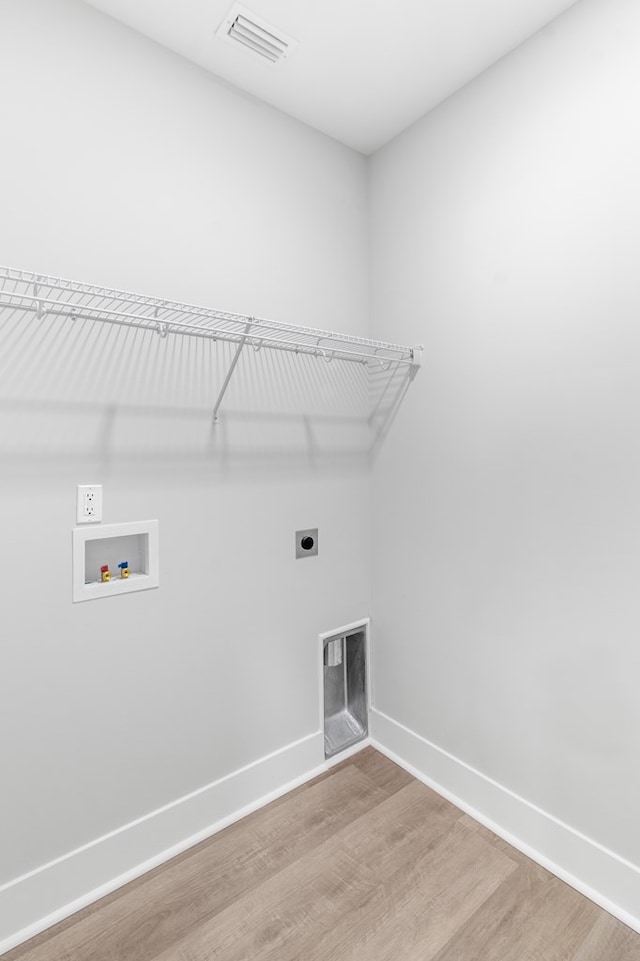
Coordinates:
109	548
345	689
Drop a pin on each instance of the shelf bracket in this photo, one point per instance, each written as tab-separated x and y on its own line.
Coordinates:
227	380
416	361
40	311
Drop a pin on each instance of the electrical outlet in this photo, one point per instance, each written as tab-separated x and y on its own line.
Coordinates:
89	504
307	543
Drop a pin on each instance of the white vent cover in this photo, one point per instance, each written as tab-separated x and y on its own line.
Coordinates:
261	38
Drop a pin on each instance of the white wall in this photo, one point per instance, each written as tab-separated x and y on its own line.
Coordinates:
123	165
505	235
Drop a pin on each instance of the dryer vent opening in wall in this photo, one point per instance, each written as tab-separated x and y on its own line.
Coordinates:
345	691
267	42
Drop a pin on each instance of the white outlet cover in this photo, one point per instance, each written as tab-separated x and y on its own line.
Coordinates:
89	504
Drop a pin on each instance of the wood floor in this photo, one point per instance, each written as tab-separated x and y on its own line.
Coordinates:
363	863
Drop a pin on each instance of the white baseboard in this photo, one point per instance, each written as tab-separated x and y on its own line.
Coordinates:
601	875
347	753
51	893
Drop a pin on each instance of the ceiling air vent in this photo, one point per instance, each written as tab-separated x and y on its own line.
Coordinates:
261	38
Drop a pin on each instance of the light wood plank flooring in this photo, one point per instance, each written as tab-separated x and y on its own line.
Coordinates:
363	863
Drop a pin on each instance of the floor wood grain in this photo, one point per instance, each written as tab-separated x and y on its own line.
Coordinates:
365	862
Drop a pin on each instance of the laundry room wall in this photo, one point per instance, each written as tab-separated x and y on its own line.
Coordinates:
505	232
125	166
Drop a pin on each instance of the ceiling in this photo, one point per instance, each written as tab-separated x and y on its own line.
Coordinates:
363	70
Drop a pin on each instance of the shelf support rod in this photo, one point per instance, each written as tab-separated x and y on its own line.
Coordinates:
227	380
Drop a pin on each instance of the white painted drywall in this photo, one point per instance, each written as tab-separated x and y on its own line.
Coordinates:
506	612
124	165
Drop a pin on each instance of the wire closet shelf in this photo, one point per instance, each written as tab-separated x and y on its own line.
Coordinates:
23	291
